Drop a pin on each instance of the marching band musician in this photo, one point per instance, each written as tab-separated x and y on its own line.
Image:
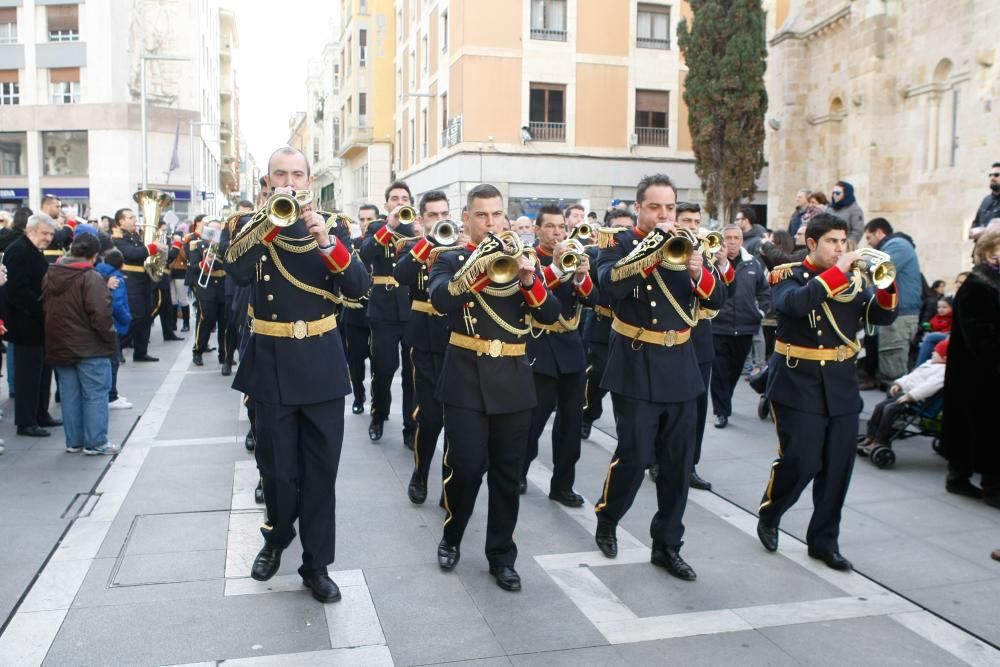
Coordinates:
178	288
235	312
357	330
558	359
652	369
388	311
813	383
207	277
294	369
486	384
137	282
426	336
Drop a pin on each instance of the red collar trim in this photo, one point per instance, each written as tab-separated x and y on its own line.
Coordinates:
470	247
542	252
808	265
638	232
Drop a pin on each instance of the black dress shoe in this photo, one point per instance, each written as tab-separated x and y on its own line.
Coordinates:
698	483
408	439
670	559
250	442
654	471
768	536
197	360
145	357
185	328
607	540
568	498
417	490
375	430
258	493
448	555
172	337
33	432
266	563
963	487
522	487
323	588
585	429
507	577
721	422
833	559
49	423
358	407
227	370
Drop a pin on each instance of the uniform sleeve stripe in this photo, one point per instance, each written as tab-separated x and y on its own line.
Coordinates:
536	294
706	285
834	281
338	258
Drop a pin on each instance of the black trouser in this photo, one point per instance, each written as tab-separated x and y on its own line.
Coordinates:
479	443
730	354
564	395
140	297
701	404
883	416
430	412
164	308
234	328
811	448
210	314
32	385
870	363
357	346
661	433
298	453
597	360
115	363
387	339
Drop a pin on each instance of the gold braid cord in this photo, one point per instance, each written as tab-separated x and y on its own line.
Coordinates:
781	272
690	318
329	296
643	257
478	262
606	236
252	233
500	322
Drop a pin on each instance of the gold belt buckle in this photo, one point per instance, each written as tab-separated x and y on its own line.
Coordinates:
299	329
670	339
841	353
496	348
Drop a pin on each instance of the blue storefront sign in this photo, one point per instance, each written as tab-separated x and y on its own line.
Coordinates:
13	193
67	193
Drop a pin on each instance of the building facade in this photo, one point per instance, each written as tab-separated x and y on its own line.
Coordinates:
323	117
70	86
901	99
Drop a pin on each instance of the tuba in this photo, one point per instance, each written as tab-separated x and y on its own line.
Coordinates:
151	203
878	265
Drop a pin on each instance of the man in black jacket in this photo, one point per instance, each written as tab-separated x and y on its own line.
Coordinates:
748	297
990	206
26	267
137	281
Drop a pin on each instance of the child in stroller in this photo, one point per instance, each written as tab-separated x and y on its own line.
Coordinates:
907	393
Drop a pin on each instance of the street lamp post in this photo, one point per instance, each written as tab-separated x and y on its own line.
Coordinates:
142	112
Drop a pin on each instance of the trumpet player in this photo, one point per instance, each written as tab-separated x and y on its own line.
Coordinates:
813	383
487	289
657	283
207	279
426	333
294	367
388	312
558	359
137	282
357	331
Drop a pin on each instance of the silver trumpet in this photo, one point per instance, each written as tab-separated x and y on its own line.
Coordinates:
444	233
208	265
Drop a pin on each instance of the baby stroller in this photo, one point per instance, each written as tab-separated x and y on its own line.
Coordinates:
924	418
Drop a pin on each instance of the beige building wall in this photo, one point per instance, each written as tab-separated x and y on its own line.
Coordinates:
895	100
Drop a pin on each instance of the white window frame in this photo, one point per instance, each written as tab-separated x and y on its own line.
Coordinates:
8	33
63	95
10	93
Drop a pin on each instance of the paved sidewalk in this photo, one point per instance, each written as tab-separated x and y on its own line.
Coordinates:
154	569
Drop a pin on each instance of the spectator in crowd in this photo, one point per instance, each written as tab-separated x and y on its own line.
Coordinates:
748	297
801	201
753	234
845	206
920	384
960	279
972	378
3	315
894	340
26	326
525	229
5	220
80	339
989	209
818	199
932	295
111	267
936	329
10	234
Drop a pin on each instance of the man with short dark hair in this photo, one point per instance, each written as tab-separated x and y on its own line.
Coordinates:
894	339
137	281
207	277
801	201
388	312
753	234
812	383
486	384
357	329
52	206
574	215
989	208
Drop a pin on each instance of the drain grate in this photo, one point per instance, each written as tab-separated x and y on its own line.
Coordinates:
81	506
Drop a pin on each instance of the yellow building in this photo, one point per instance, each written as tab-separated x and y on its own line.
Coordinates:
552	101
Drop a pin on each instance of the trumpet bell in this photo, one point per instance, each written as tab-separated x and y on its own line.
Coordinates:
878	265
503	269
407	214
152	203
712	242
283	210
583	232
678	250
445	232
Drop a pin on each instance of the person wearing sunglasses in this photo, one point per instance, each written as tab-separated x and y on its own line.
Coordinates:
990	206
845	206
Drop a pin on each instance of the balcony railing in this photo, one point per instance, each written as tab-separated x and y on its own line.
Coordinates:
651	43
653	136
548	34
547	131
452	134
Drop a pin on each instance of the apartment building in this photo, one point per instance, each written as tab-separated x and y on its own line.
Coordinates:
70	89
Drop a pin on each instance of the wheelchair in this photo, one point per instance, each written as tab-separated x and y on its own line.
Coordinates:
923	418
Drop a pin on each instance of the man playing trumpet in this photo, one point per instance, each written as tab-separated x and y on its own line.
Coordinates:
207	279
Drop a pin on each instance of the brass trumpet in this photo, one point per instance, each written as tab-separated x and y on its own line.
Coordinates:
678	248
584	233
878	265
571	259
711	242
444	233
284	209
407	214
504	268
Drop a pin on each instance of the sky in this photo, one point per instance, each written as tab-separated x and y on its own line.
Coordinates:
277	41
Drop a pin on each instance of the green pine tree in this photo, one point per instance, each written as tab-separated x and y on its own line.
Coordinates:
725	50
